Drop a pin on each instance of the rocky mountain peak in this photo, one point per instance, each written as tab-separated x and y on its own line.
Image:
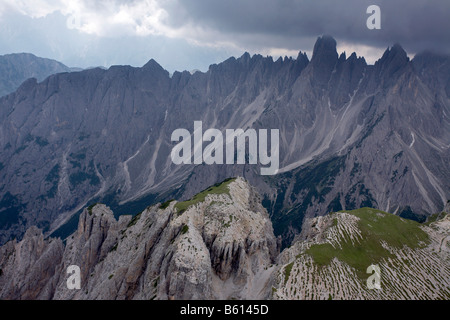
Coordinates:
154	67
397	54
393	59
245	57
323	60
302	58
398	49
324	49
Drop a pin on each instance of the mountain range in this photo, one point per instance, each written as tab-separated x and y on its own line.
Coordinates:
352	135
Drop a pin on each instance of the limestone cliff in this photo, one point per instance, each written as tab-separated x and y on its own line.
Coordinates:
219	245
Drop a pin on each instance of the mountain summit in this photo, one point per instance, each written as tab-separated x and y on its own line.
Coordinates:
325	49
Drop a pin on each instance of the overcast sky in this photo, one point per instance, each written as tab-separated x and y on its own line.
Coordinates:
192	34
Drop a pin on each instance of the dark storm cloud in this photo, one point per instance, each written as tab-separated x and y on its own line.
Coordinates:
415	24
191	34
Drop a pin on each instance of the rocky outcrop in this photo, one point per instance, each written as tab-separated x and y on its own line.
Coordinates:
222	247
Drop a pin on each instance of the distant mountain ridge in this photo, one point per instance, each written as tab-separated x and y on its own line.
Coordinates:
351	135
15	68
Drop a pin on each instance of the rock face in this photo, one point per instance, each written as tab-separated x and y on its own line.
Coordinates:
351	135
17	67
28	267
223	247
220	245
331	259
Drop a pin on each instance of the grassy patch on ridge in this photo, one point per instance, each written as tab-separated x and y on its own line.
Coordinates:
376	226
218	188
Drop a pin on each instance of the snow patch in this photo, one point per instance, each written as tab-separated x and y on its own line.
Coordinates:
413	140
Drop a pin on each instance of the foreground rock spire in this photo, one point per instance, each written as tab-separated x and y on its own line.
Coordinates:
220	245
